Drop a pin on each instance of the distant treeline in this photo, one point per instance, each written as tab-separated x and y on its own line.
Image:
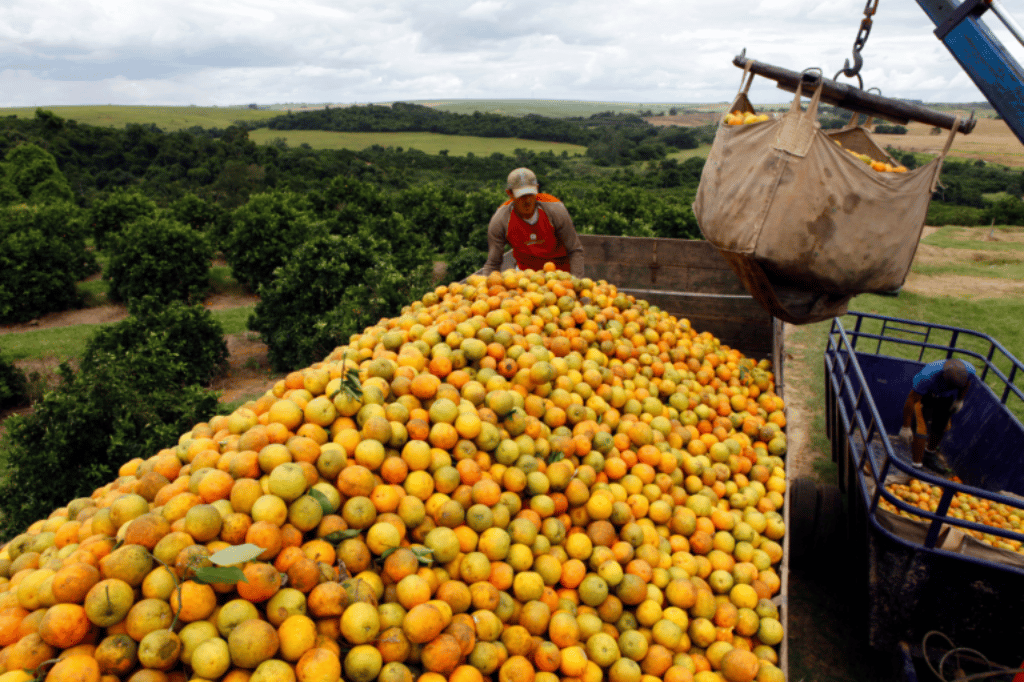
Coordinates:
611	138
224	167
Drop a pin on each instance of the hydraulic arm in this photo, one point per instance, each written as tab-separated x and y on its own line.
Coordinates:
981	54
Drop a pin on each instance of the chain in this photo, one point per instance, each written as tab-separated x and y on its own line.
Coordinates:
862	39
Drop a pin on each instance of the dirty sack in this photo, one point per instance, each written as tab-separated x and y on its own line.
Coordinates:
805	224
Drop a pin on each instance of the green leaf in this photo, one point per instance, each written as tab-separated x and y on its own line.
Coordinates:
325	504
236	554
220	574
340	535
555	456
351	384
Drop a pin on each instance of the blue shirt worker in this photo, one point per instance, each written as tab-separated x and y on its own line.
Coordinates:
938	393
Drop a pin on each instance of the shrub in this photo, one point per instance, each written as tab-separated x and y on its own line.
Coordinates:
674	220
1006	211
38	270
431	208
265	232
890	129
79	434
468	260
13	385
109	216
331	288
159	257
469	224
203	216
906	158
940	214
34	174
194	338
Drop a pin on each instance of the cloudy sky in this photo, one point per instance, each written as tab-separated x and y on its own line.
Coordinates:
226	52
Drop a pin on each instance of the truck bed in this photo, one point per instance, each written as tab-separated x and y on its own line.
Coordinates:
924	571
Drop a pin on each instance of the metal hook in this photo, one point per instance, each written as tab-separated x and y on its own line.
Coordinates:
858	62
860	81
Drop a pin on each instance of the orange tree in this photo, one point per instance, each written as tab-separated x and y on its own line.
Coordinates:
332	287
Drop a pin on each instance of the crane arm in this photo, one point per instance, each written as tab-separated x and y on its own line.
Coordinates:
981	54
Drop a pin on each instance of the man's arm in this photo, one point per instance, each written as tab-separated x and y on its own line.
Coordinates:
566	233
911	405
911	408
496	241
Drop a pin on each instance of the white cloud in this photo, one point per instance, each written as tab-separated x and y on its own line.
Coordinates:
235	51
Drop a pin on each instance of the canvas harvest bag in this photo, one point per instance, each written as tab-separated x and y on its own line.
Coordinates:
804	224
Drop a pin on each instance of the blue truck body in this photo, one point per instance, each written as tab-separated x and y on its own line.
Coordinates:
913	586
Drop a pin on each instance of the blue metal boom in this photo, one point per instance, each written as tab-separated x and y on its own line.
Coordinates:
981	55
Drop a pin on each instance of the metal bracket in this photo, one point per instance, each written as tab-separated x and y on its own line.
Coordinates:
965	9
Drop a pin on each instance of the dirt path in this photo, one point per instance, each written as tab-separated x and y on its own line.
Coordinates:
800	453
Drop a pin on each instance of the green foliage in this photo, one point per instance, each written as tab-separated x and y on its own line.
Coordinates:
33	173
465	262
432	208
38	264
124	406
204	216
940	213
333	287
965	182
1008	210
63	225
112	214
267	230
191	335
159	257
890	129
906	158
13	385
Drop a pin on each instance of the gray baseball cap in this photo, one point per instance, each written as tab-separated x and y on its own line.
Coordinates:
522	181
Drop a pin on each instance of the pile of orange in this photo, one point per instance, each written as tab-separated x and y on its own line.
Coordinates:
876	165
738	118
536	478
964	506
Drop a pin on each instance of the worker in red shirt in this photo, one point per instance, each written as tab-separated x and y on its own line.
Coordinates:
537	227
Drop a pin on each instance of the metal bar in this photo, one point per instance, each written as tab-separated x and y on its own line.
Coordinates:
988	361
855	99
1006	390
1011	24
985	59
940	513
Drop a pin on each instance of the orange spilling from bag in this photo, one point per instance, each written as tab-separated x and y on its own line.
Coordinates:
736	118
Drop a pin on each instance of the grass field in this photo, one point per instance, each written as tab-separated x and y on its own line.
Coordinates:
991	140
165	118
429	143
701	151
68	343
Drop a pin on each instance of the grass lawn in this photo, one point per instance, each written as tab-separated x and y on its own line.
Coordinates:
429	143
165	118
